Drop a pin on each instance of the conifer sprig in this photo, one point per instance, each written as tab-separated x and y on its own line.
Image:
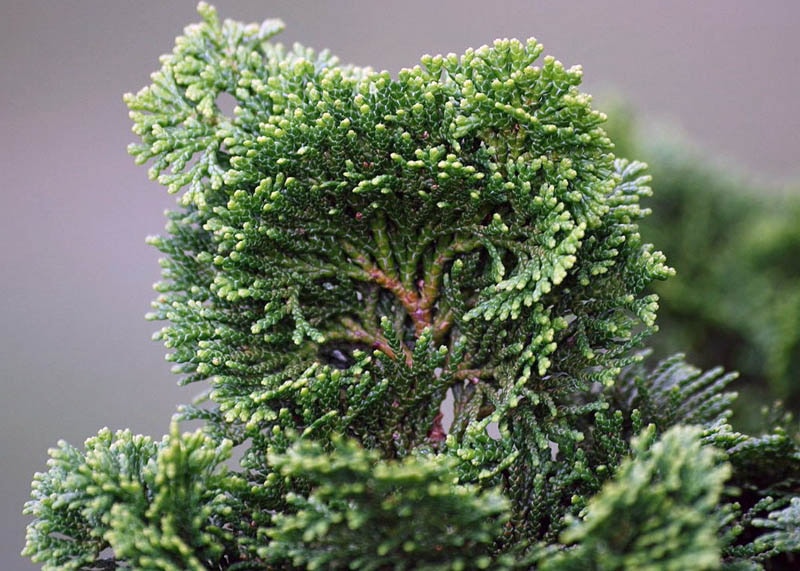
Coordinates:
417	304
351	200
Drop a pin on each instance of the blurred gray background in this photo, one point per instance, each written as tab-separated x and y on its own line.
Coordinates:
75	353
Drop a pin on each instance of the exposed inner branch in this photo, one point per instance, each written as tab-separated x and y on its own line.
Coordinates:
355	333
418	300
408	298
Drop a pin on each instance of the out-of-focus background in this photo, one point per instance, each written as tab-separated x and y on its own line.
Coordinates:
75	275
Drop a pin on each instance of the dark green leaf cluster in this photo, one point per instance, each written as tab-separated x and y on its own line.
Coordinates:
784	526
765	470
464	198
659	513
416	303
367	513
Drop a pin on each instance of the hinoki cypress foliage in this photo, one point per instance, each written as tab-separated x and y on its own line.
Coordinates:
418	305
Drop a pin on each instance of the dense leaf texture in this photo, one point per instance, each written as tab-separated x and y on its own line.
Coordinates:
155	505
658	514
416	303
364	513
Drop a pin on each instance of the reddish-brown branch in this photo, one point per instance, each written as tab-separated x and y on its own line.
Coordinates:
442	324
409	299
432	283
476	374
355	333
433	280
418	303
437	434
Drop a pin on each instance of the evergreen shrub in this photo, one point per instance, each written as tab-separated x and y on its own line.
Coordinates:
419	307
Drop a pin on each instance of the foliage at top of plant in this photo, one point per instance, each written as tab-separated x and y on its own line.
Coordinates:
418	306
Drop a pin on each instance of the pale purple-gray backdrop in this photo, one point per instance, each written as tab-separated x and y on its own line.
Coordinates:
76	274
